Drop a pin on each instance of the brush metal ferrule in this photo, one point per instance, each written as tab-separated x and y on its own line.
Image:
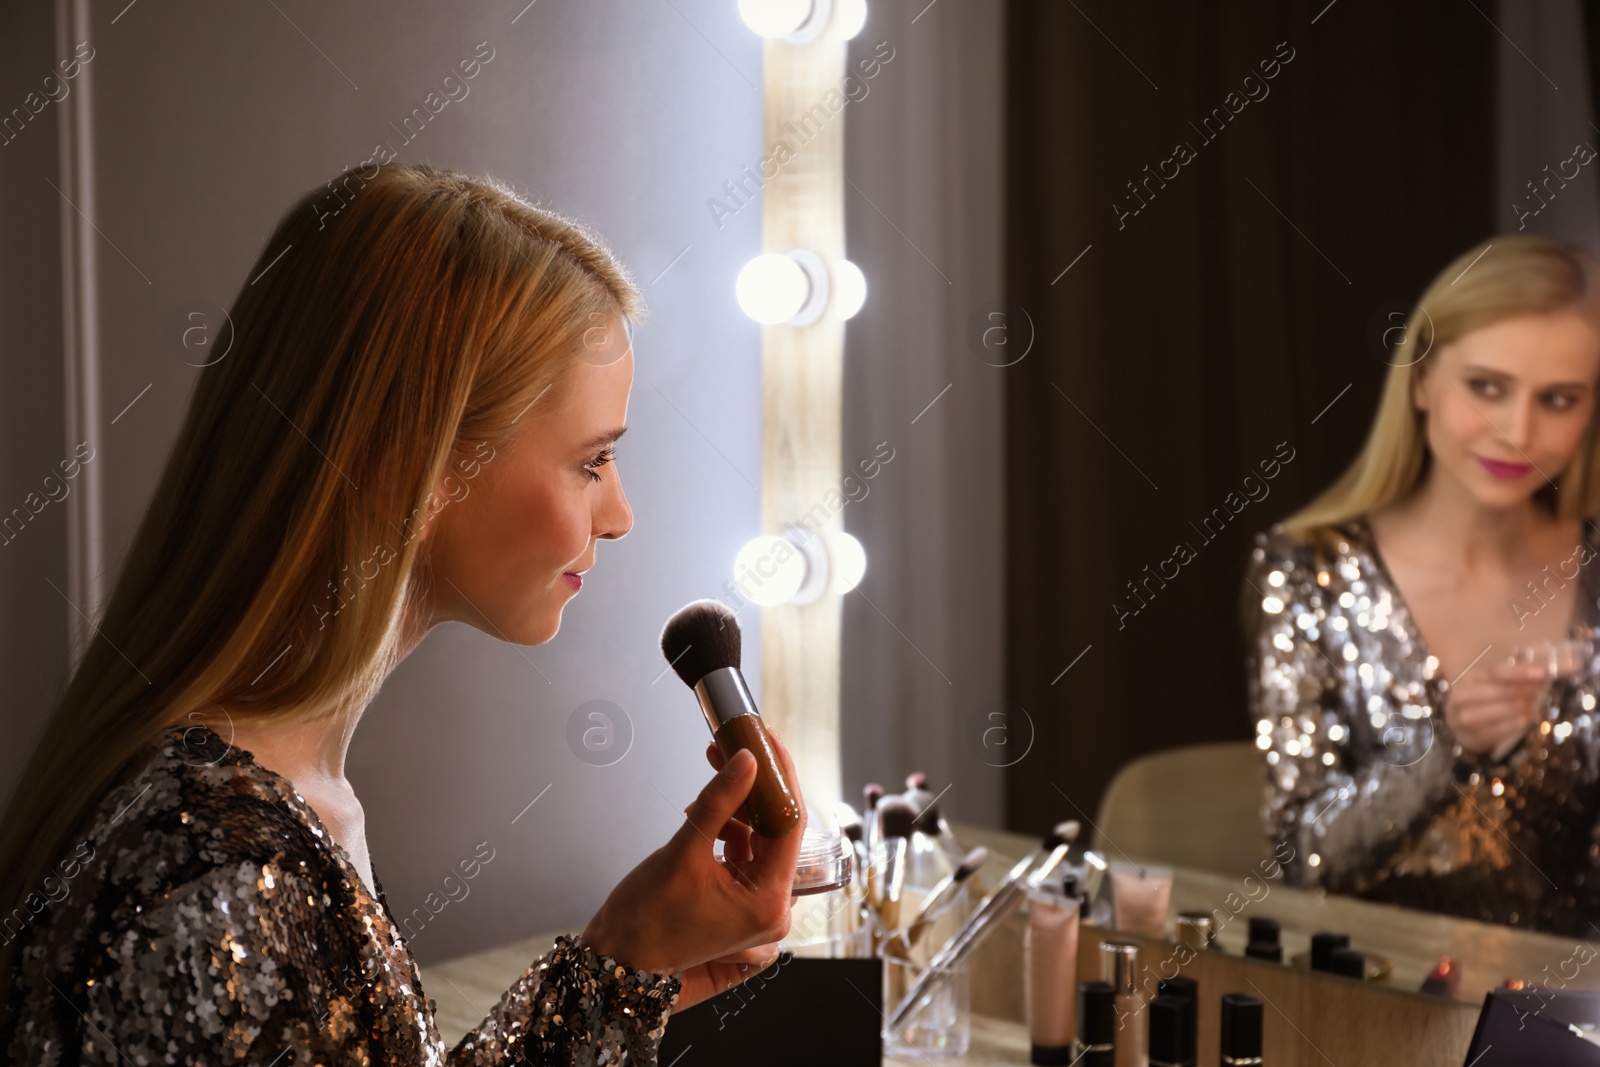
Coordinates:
724	696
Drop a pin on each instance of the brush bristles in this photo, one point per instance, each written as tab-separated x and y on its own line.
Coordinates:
1065	833
917	780
928	816
701	637
849	822
971	862
873	793
895	818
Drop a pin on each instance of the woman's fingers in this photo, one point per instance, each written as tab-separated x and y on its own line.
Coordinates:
718	801
736	836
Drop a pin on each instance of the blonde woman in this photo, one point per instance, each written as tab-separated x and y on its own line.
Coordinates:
186	877
1414	755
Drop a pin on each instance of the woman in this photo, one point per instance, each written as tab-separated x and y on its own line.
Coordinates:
415	424
1415	755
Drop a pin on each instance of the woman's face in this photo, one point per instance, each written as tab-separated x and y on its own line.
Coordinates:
1506	405
508	555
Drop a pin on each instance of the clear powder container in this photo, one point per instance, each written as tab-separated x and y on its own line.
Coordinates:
826	859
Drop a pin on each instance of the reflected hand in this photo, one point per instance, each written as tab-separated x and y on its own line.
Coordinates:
1492	709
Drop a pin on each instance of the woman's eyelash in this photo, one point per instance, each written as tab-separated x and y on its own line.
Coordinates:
606	455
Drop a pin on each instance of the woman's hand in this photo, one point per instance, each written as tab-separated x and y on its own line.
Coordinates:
1491	710
681	911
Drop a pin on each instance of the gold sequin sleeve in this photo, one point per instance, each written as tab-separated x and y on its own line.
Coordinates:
573	1006
1355	759
214	920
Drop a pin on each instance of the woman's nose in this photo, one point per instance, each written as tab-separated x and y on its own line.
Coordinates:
1517	429
614	518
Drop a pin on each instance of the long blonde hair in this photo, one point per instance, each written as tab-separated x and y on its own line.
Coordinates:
1502	278
414	316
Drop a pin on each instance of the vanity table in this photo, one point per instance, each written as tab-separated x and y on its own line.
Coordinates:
1311	1018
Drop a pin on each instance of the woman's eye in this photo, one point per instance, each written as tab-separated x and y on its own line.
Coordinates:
592	467
1558	401
1484	387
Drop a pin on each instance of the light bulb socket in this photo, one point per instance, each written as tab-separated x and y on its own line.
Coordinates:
816	272
816	557
815	23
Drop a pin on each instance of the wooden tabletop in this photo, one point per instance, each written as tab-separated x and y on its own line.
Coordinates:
464	989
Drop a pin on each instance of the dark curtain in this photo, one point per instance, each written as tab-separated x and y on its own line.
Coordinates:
1178	388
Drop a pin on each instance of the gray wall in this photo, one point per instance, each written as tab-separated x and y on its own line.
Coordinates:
209	119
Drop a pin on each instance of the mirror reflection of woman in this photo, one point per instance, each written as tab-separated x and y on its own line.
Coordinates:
1413	755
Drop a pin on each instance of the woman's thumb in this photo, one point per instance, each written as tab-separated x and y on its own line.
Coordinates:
721	797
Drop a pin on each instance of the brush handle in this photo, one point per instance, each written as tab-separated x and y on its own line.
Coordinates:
771	805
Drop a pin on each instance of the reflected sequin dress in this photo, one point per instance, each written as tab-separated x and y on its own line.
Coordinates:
209	918
1365	779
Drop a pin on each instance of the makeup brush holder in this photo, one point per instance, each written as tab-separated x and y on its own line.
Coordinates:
942	1025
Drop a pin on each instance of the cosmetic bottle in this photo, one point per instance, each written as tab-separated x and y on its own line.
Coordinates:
1139	898
1322	947
1241	1030
1050	963
1181	985
1349	962
1119	966
1197	929
1171	1032
1264	943
1097	1025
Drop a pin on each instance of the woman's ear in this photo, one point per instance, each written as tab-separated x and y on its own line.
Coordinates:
1419	388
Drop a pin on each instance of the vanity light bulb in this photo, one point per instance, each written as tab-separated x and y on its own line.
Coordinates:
849	562
774	18
772	288
769	570
848	18
849	289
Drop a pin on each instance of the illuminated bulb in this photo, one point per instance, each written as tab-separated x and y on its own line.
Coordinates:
790	289
848	18
769	570
849	562
772	288
776	18
850	288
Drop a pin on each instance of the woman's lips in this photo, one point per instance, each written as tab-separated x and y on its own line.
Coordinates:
574	580
1508	471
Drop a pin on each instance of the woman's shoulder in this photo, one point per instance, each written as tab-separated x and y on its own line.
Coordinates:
209	800
1311	554
200	887
192	814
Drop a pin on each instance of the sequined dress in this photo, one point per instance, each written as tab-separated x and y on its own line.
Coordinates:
1366	782
208	917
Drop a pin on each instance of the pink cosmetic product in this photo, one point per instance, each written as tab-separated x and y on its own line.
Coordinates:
1139	898
1050	968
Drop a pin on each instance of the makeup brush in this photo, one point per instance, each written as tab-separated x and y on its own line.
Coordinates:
850	826
894	829
939	898
870	796
702	644
1026	876
869	808
930	822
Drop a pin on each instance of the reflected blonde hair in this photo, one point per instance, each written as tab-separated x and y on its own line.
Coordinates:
1509	276
416	316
